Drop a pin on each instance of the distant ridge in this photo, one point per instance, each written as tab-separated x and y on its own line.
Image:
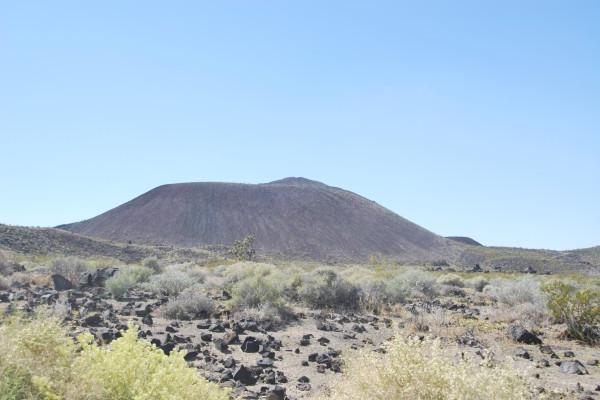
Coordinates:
464	240
294	217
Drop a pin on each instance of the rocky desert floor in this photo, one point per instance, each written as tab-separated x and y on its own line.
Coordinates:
303	355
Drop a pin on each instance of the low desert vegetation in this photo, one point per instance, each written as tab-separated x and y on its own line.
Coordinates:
70	267
171	282
126	278
39	360
243	250
576	307
4	283
325	288
455	307
422	369
451	280
518	300
191	303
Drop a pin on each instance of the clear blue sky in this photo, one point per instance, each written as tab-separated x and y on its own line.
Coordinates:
466	118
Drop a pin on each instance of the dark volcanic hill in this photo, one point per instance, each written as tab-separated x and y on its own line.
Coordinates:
295	217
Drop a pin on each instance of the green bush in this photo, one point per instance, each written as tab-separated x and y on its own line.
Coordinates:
126	278
578	308
324	288
412	283
414	369
243	250
171	282
189	304
255	291
151	263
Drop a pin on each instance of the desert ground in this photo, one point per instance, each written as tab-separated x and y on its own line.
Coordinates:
305	330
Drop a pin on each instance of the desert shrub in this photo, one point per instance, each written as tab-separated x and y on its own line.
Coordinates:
414	369
29	278
189	304
255	291
450	290
40	361
4	283
171	282
4	262
135	369
151	263
245	269
126	278
243	250
396	291
16	384
451	280
370	282
519	300
198	274
324	288
514	292
70	267
411	283
267	314
36	355
478	283
577	308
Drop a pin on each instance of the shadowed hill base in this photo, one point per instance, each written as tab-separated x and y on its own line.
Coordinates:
52	242
293	217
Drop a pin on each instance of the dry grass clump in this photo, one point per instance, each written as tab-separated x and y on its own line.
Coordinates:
29	279
265	315
40	361
515	292
519	300
422	370
191	303
70	267
126	278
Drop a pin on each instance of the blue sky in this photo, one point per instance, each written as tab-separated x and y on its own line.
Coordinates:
466	118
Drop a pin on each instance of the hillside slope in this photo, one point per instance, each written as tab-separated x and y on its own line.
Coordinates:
293	217
55	242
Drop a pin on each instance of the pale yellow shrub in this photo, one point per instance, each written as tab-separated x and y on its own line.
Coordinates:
40	361
40	351
422	370
134	369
